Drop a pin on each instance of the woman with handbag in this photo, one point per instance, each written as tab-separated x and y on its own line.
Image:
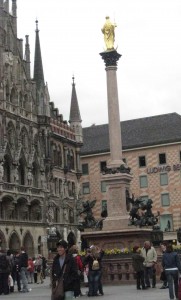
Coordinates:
64	273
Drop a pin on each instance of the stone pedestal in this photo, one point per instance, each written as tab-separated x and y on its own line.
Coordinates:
118	215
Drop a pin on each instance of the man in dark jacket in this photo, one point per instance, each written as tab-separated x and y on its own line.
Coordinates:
16	270
64	265
4	273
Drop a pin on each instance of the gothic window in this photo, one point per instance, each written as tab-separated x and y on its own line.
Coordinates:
70	160
20	99
73	188
12	96
55	158
7	169
14	242
69	188
59	157
36	146
21	172
25	103
35	172
7	92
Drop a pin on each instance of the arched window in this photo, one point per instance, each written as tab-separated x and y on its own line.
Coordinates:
70	160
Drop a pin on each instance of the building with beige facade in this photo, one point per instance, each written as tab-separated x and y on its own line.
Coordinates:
152	149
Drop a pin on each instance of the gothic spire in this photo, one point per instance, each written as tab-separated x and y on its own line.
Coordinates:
38	66
74	108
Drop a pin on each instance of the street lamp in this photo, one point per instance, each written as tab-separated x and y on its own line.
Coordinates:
156	235
179	235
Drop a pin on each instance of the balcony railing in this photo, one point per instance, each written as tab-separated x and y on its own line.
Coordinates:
8	186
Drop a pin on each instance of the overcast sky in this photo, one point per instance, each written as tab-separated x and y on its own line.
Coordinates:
148	36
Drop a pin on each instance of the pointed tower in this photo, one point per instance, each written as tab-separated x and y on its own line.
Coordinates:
27	57
75	118
42	90
38	65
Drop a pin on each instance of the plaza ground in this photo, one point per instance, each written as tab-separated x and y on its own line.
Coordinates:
111	292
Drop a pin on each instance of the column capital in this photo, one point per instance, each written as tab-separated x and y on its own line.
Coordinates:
110	58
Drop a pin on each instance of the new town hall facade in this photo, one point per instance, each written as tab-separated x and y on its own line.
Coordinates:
39	151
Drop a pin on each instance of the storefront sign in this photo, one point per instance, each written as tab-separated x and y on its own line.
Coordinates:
165	168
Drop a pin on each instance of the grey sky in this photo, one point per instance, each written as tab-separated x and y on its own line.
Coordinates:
148	36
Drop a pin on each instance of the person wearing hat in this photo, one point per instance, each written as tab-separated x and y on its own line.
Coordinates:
64	265
138	267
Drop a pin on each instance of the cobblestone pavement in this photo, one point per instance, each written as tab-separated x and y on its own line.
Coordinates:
121	292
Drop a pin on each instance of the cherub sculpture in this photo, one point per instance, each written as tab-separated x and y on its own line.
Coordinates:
89	220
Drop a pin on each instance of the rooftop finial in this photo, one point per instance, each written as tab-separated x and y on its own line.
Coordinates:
36	25
73	79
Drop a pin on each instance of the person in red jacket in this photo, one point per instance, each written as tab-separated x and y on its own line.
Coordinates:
74	251
30	270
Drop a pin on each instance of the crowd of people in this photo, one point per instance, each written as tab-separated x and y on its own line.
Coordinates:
69	264
144	262
19	270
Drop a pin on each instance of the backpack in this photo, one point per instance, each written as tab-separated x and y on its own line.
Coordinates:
95	265
4	264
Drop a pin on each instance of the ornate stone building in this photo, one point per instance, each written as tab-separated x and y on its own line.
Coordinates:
39	151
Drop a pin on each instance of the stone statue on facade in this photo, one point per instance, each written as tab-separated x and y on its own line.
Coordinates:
30	178
16	175
1	171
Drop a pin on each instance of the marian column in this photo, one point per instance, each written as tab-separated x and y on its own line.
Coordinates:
117	175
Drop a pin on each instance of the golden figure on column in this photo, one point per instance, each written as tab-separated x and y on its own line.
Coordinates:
109	34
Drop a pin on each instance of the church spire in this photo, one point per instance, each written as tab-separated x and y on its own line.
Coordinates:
74	108
38	66
75	118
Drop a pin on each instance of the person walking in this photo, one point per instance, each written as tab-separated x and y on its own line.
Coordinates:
16	270
93	259
150	259
23	264
75	253
64	265
171	264
138	267
38	268
4	273
30	270
163	250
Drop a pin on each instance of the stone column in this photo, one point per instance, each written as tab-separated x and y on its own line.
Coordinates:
117	175
111	58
